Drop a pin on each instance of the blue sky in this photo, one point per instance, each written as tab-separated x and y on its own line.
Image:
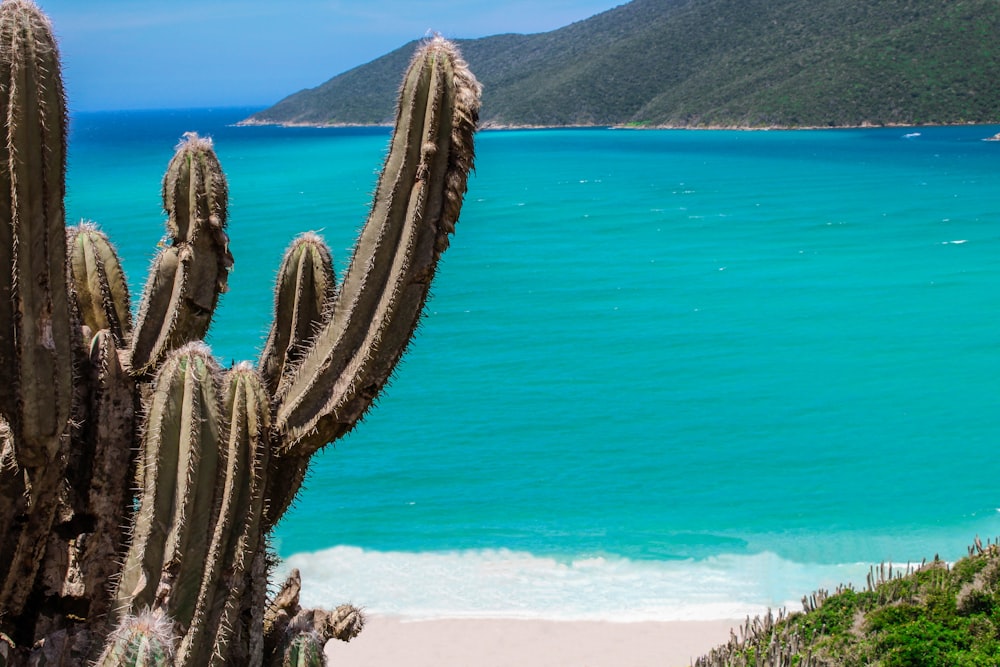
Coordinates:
132	54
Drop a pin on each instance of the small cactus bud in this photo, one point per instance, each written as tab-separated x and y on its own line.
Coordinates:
143	640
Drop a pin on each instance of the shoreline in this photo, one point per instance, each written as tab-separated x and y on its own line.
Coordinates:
398	640
499	127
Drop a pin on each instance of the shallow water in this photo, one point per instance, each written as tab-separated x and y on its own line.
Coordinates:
671	373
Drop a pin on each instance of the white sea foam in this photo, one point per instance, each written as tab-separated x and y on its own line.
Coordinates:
509	584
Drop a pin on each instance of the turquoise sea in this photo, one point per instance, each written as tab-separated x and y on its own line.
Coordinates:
664	374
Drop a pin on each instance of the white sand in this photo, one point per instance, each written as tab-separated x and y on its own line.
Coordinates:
388	641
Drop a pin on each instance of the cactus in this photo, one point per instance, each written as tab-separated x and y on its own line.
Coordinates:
95	408
290	631
189	275
305	650
36	336
98	282
146	640
303	296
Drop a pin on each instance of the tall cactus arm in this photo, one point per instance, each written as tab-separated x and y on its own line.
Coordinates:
35	325
180	470
35	321
416	205
188	276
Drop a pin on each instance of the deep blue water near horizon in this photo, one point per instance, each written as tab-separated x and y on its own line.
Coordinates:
664	374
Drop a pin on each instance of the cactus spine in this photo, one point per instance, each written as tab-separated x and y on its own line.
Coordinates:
217	456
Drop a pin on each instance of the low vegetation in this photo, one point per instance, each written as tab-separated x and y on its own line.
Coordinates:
936	615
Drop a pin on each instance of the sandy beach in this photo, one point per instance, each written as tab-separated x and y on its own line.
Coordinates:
528	643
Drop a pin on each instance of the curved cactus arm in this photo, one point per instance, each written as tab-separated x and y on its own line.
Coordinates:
345	623
35	322
246	407
416	205
187	277
279	613
179	472
306	634
303	296
98	283
287	474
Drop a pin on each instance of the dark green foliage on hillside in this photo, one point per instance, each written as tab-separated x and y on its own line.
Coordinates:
714	62
937	616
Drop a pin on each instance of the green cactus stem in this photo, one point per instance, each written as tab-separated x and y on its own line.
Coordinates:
416	206
98	283
180	468
304	650
187	276
144	640
33	294
303	294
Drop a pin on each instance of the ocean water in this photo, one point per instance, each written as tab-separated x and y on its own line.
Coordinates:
663	375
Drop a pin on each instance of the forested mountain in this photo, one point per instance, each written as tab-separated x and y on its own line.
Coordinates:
713	62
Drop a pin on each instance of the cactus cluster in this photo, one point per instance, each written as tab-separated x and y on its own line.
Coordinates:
139	480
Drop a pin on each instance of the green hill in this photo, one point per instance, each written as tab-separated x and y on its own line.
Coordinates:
713	62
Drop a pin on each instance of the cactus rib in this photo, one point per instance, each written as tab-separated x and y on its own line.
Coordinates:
304	650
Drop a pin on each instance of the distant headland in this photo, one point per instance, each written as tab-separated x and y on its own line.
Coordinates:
710	64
